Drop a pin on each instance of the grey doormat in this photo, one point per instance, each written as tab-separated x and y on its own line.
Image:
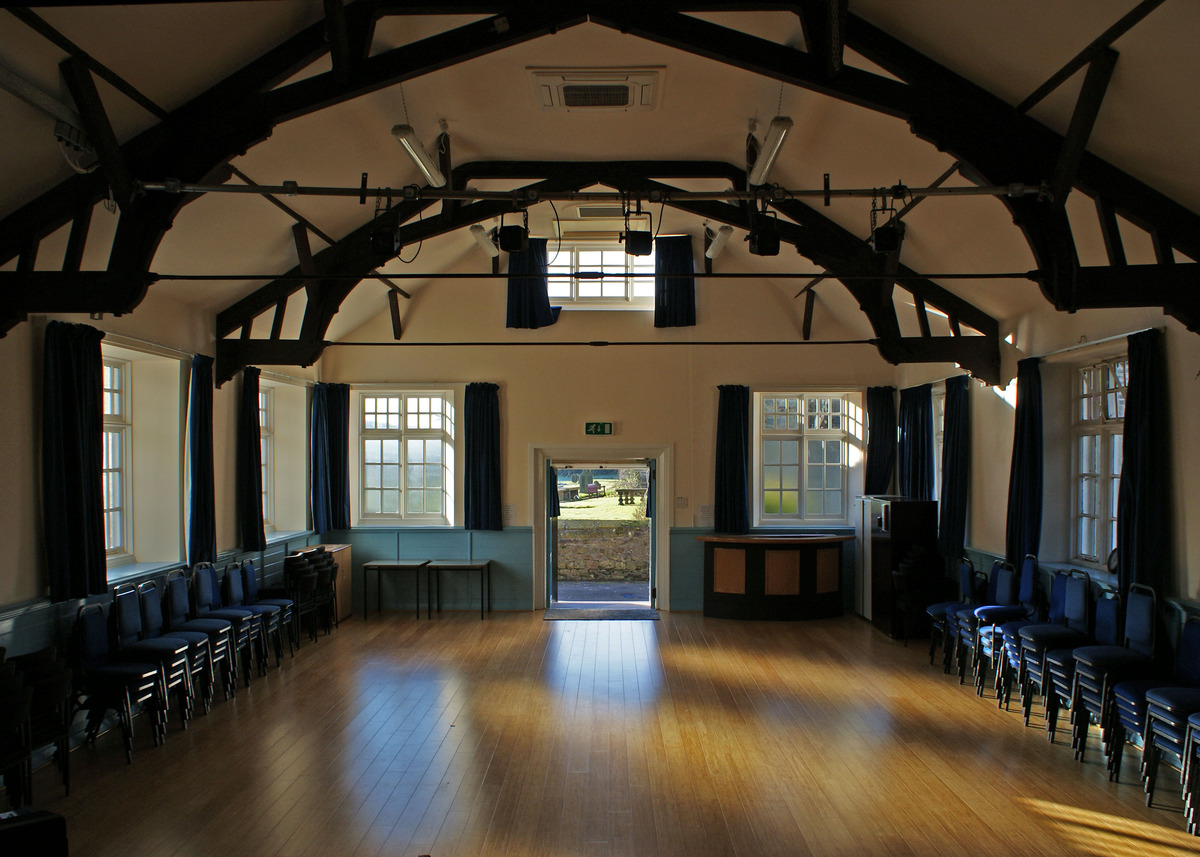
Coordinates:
593	613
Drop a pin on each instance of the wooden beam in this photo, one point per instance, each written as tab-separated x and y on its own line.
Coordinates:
394	310
77	240
810	302
277	319
98	128
72	291
339	42
1111	232
922	316
1083	119
235	354
1162	248
824	32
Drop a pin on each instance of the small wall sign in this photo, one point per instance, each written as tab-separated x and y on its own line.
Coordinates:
597	428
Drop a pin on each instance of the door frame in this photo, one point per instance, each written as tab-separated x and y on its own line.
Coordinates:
661	453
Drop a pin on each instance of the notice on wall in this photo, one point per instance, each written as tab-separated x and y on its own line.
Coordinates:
704	517
508	513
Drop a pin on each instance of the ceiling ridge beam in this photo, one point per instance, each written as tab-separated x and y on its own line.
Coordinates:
1083	120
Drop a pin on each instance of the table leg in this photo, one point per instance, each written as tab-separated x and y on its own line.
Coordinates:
417	581
364	594
481	593
488	570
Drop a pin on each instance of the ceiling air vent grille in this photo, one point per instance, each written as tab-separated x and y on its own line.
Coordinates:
580	89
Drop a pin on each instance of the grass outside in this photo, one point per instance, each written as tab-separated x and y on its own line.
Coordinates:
605	508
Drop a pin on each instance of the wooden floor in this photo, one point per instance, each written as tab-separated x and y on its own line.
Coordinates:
686	736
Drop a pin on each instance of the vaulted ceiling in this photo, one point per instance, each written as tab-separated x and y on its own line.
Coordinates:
1087	101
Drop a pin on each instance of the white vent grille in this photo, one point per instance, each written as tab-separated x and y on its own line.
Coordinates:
579	89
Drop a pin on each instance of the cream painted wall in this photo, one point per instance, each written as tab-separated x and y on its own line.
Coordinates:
23	560
291	456
158	519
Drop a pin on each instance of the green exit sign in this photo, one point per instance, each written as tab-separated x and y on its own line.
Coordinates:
597	428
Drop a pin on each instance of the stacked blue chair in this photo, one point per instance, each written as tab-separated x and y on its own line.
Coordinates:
1099	669
939	623
176	610
1016	601
1065	685
1168	710
198	652
1037	640
1012	669
287	613
1132	707
170	653
105	684
964	624
268	616
246	638
1191	774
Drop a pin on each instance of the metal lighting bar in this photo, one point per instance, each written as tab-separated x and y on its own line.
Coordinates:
772	143
529	196
407	138
484	240
718	241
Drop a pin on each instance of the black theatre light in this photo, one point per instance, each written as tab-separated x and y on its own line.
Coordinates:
639	243
513	239
888	237
764	236
383	240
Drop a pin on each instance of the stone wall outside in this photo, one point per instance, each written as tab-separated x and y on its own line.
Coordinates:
604	550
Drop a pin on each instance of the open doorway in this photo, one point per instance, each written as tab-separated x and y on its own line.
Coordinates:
600	533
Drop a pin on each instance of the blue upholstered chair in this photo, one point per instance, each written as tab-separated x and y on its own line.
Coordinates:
176	613
268	615
1037	640
287	611
1061	664
943	614
246	636
170	653
198	652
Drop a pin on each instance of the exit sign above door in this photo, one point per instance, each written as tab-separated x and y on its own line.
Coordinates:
597	428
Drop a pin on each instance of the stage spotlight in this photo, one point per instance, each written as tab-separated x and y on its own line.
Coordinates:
639	243
514	239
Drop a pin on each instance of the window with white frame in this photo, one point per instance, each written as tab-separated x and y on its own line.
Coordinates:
1098	409
118	436
406	469
801	456
600	275
939	432
266	447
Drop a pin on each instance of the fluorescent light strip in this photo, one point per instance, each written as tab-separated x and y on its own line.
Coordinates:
407	138
772	143
484	240
718	241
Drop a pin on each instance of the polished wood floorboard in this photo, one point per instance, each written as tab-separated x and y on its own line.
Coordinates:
517	737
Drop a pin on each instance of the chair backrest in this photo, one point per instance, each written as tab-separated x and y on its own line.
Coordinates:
1027	588
249	581
1002	587
1056	610
176	606
91	636
1187	659
1141	609
966	578
127	614
152	611
1077	605
204	588
1107	630
231	587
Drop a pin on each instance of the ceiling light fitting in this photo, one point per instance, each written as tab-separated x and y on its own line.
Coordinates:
484	240
719	239
407	137
886	237
777	131
514	239
764	236
637	242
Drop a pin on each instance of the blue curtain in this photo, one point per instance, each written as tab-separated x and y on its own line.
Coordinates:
249	465
1024	530
528	300
202	522
72	461
674	296
916	443
553	507
330	447
481	481
1143	510
956	466
881	439
731	510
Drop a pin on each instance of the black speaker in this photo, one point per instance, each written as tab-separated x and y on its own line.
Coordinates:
383	240
514	239
887	238
639	243
764	241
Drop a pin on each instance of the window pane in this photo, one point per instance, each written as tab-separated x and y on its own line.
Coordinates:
372	451
771	452
416	476
790	452
1089	459
771	478
814	503
833	476
391	502
833	451
416	503
816	476
371	476
433	502
391	451
371	502
391	476
1087	537
771	503
816	451
790	504
791	478
1087	495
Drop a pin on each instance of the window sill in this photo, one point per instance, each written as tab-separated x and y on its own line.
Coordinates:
275	538
137	571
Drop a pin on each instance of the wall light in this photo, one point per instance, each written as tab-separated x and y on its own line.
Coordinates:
719	239
772	143
407	138
484	240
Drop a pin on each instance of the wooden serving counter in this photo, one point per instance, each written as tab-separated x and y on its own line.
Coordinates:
784	577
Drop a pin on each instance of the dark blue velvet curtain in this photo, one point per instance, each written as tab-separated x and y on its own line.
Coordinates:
1143	509
330	447
249	464
72	461
481	481
202	521
674	296
916	443
528	301
881	439
731	509
1024	531
553	507
956	465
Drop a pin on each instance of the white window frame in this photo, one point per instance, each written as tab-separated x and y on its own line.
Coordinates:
266	445
118	430
412	427
938	398
1098	413
571	291
851	420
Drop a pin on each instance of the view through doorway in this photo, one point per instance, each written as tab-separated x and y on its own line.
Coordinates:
601	539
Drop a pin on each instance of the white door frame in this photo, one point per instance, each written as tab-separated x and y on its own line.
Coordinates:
540	453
